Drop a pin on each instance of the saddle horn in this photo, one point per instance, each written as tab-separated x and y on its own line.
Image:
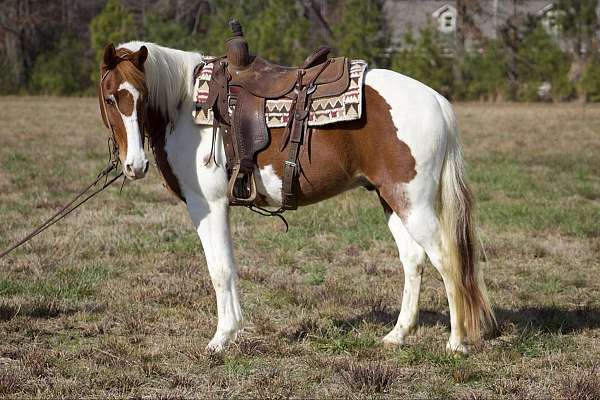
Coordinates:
237	46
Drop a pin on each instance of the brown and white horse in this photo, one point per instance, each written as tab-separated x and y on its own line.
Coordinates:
405	147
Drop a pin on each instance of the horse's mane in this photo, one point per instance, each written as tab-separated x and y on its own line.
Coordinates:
131	74
169	77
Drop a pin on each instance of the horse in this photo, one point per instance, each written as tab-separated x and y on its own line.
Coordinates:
405	147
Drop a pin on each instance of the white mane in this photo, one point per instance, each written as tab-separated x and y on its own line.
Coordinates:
169	74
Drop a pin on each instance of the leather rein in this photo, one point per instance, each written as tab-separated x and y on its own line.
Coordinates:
85	194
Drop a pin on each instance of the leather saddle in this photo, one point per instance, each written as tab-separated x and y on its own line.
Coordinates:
239	87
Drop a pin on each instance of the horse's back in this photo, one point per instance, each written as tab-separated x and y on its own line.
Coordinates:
401	121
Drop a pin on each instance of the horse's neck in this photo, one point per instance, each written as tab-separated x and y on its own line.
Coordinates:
169	79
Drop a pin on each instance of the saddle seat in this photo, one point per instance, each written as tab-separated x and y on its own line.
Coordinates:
272	81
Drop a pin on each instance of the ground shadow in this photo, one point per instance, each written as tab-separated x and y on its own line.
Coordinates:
45	310
550	318
544	318
388	318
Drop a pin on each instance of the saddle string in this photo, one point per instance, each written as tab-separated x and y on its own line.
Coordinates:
268	213
212	156
216	125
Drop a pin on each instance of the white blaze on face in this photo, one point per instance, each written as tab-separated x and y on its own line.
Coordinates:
136	162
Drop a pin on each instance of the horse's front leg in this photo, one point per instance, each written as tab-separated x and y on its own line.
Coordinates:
211	219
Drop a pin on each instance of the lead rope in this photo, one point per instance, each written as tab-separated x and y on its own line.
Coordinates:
72	205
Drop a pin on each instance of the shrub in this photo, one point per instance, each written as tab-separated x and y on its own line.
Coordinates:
590	81
7	82
484	73
62	70
113	25
361	32
539	59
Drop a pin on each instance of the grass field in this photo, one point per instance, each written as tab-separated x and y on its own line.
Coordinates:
115	301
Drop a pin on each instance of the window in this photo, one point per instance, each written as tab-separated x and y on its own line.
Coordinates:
448	21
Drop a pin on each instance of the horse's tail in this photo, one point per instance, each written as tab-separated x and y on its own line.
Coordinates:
458	234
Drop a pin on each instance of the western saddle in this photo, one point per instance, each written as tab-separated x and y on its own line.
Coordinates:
239	87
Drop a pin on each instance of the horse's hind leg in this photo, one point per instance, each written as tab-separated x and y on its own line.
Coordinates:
412	256
423	225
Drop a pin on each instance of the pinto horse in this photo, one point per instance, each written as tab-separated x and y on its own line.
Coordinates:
405	147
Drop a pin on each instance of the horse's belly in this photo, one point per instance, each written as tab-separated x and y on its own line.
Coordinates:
330	170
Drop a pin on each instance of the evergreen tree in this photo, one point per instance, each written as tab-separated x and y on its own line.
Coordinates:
362	33
214	27
541	60
423	59
281	34
484	73
590	81
114	24
62	70
578	22
275	29
168	33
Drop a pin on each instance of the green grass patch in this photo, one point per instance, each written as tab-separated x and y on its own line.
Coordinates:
72	283
537	344
552	194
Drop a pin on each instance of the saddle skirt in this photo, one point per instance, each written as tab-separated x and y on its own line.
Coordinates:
346	106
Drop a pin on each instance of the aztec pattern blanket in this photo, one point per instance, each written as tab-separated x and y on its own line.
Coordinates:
345	107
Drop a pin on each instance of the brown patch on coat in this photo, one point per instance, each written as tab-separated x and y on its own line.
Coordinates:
125	102
365	152
156	130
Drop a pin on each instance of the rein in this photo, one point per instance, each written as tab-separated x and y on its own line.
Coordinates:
79	199
73	204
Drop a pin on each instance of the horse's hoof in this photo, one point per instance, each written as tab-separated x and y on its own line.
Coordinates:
393	339
220	342
458	347
215	346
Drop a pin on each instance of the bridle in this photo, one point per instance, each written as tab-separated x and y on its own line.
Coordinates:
113	144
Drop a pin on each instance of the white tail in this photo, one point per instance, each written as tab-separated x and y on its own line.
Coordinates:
458	234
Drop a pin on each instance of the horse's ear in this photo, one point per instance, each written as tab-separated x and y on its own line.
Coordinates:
140	57
110	55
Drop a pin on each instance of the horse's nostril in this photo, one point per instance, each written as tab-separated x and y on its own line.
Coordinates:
146	165
129	168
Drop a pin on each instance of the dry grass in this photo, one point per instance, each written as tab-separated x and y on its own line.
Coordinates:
115	300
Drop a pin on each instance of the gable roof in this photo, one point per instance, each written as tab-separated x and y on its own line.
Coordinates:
410	15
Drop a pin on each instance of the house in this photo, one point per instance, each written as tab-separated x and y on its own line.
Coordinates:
411	15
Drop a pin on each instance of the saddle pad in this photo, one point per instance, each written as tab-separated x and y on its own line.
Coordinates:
323	111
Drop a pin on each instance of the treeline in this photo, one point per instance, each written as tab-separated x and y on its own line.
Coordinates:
54	47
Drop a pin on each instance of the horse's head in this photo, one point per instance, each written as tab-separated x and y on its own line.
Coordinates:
122	94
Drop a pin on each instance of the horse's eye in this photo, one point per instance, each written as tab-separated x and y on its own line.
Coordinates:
109	101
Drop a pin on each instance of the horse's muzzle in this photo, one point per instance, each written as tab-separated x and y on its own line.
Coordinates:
133	170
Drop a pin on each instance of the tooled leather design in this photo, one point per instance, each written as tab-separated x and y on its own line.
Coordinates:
272	81
249	124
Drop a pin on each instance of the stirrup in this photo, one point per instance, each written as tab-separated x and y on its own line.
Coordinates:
241	190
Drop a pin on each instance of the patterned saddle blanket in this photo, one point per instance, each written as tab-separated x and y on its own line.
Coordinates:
323	110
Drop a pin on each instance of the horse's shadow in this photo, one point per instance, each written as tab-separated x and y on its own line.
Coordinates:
550	319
